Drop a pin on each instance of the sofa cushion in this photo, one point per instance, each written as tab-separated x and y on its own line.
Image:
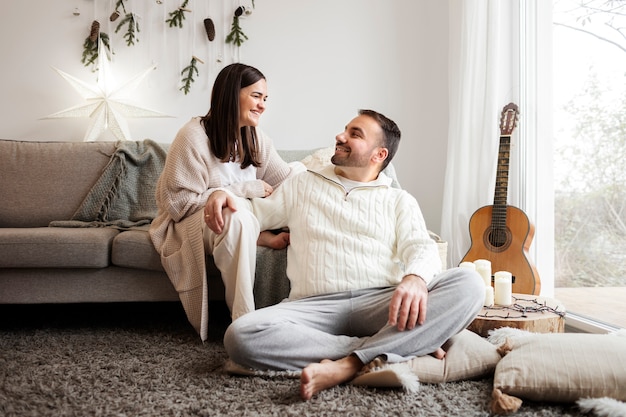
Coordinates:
54	247
134	249
46	181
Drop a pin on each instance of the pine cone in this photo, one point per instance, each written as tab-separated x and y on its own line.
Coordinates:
114	16
239	11
210	28
95	31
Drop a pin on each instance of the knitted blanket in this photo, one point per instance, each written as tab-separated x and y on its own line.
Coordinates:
271	285
123	197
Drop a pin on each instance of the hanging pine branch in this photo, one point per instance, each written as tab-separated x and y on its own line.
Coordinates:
178	15
131	30
90	46
188	73
236	35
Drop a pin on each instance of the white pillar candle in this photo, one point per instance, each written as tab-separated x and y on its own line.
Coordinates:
483	267
468	265
488	296
503	288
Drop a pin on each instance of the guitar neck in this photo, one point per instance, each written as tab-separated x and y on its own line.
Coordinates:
502	180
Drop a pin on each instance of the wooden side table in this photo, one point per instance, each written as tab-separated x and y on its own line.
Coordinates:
528	312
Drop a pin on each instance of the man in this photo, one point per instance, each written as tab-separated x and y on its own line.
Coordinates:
362	267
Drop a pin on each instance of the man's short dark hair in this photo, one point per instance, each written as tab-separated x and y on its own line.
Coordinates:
391	133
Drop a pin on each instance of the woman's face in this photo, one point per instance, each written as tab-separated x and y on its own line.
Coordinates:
252	103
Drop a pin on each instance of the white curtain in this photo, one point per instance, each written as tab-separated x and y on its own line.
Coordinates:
479	87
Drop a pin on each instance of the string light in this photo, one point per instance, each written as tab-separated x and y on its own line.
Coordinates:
521	310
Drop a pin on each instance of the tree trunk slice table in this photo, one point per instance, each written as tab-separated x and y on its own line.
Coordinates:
528	312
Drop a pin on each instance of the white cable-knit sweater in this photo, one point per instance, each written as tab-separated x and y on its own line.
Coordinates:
371	236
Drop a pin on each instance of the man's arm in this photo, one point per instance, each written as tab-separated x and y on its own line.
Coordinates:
269	211
416	249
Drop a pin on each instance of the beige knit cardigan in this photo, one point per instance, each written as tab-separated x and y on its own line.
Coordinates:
190	172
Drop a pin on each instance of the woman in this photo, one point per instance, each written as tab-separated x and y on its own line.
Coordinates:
220	150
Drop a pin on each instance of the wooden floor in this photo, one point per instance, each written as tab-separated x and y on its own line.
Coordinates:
606	304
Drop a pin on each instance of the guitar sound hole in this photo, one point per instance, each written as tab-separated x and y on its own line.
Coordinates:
497	240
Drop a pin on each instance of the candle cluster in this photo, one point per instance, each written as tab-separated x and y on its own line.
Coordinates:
501	293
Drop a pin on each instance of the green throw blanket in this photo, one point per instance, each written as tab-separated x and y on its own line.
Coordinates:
123	197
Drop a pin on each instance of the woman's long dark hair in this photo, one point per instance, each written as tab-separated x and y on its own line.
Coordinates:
227	141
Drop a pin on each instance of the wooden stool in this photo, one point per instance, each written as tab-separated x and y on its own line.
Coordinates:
528	312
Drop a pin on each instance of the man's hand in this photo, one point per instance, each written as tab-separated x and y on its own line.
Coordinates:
408	303
217	201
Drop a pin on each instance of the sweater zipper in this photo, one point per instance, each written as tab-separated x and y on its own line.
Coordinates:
346	192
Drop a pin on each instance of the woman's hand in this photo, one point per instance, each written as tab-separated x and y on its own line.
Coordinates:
267	188
218	201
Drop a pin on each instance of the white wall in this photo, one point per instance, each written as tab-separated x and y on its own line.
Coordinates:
324	59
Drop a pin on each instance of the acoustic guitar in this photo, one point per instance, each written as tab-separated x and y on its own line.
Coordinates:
502	233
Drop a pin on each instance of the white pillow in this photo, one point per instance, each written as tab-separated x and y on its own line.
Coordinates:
319	159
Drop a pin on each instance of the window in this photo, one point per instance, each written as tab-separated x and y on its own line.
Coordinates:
589	120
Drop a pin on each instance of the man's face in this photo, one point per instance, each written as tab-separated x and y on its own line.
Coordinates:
358	143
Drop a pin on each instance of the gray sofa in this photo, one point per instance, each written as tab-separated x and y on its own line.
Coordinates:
46	184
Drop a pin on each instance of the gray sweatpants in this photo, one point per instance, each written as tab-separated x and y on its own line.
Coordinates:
292	334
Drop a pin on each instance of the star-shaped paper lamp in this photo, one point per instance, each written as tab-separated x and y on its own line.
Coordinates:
107	105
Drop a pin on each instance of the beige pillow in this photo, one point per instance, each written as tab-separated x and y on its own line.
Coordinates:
467	356
563	367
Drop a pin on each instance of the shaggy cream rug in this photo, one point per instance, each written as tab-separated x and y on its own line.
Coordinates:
145	360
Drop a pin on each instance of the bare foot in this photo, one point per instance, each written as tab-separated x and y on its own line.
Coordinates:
317	377
439	353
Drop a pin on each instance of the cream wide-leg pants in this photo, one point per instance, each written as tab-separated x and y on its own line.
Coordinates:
234	254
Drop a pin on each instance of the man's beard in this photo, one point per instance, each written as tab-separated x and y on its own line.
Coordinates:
349	161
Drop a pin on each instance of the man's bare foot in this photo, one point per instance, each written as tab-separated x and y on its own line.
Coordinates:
317	377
